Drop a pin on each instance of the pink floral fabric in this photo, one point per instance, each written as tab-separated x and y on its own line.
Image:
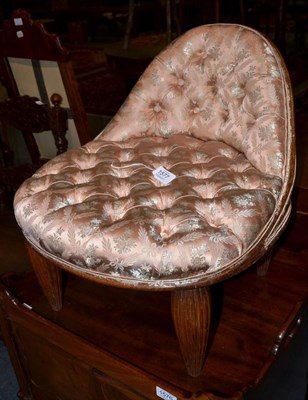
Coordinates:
217	82
213	110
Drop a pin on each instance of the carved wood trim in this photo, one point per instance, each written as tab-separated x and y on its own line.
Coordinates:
32	42
58	123
28	116
38	44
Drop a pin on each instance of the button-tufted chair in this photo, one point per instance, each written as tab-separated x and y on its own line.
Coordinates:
214	109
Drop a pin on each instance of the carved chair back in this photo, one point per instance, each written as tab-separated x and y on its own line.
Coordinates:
34	63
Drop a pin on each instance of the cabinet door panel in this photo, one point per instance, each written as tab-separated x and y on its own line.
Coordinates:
53	373
111	389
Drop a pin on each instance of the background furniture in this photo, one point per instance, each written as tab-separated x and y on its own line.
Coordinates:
30	116
33	63
38	76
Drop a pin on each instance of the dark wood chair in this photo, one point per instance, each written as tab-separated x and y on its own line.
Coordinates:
28	115
34	63
38	75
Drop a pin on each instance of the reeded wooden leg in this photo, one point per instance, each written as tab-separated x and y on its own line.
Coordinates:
191	311
264	262
49	277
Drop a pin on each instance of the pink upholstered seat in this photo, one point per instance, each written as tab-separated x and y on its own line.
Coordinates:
101	208
215	109
212	109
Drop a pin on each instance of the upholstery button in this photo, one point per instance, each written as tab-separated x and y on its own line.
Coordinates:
157	108
163	235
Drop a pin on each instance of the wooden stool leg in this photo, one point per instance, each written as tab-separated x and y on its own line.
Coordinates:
49	277
264	262
191	311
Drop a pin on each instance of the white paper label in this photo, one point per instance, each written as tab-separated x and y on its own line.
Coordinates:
18	21
19	34
163	175
163	394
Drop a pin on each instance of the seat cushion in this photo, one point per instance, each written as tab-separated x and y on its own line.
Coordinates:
100	209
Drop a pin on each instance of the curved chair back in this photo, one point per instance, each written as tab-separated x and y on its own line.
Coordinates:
220	82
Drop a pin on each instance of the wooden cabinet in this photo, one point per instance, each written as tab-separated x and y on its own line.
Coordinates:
116	344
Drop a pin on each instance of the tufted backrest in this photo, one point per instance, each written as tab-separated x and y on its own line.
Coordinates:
216	82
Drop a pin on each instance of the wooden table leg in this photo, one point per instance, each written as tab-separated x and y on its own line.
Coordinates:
49	277
191	311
